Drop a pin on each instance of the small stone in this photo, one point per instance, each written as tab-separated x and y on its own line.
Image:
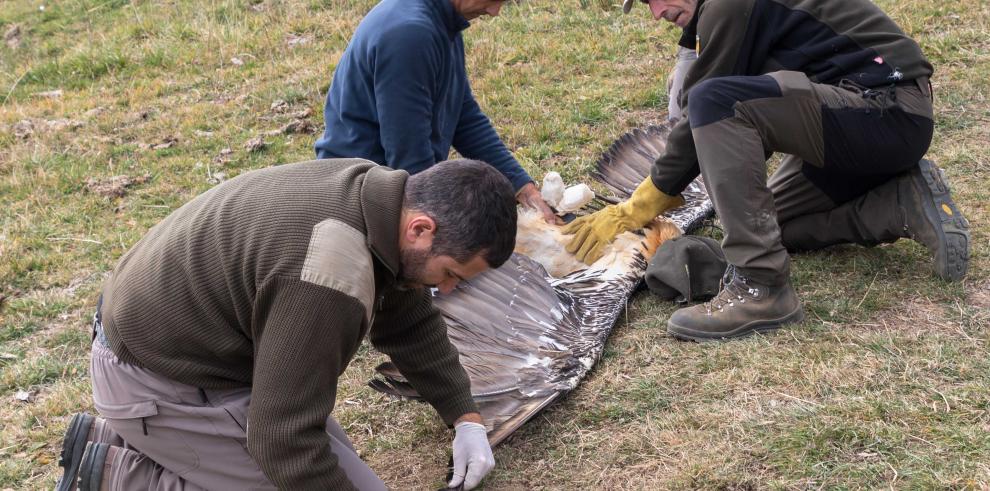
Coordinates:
23	129
203	134
216	177
236	61
13	36
300	126
96	111
297	126
138	116
303	114
296	40
116	186
223	157
49	94
168	142
23	396
255	144
63	124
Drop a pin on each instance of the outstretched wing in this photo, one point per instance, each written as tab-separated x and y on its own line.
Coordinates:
530	330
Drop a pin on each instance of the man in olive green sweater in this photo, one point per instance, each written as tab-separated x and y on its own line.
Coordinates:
220	335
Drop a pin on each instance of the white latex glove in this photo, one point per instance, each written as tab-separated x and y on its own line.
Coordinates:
675	83
473	457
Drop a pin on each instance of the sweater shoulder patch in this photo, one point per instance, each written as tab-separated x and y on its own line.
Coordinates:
338	258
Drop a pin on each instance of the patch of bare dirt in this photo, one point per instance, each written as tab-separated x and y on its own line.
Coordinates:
979	296
293	40
921	315
255	144
23	129
167	142
298	126
642	118
26	128
13	36
225	155
49	94
116	186
138	117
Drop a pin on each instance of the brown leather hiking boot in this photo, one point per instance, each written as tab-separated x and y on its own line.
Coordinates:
932	218
741	308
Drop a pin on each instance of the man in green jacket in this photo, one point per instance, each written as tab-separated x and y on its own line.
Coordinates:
841	90
221	334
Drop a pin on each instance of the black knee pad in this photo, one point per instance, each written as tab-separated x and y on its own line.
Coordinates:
715	99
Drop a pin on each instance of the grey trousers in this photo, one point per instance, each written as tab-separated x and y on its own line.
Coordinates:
841	142
183	437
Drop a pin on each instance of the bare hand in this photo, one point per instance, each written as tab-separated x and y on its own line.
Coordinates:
530	197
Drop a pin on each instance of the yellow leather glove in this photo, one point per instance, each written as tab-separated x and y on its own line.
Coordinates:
593	232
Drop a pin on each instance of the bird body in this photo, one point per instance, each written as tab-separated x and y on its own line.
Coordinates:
530	330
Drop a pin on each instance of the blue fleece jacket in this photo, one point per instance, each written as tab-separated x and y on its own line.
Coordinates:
401	97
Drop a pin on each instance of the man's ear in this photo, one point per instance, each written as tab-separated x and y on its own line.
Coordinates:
420	229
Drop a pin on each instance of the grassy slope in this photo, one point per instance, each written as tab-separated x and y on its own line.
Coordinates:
885	384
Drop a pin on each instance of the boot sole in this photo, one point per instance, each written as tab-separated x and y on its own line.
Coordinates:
73	446
91	469
952	260
687	334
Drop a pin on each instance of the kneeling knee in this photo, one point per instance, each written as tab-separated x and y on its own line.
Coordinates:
715	99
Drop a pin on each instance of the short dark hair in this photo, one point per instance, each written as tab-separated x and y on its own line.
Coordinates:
473	205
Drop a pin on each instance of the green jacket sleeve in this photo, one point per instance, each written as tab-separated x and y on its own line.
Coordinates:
304	337
412	332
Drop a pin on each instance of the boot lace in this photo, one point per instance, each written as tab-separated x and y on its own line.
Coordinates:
736	291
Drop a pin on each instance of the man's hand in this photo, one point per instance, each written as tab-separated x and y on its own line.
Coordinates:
473	457
593	232
530	197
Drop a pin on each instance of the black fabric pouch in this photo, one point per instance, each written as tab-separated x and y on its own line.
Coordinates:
686	269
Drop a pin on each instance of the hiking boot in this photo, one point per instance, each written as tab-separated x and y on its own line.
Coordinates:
741	308
94	466
73	445
932	219
82	428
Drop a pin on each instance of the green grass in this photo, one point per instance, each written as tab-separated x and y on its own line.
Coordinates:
887	384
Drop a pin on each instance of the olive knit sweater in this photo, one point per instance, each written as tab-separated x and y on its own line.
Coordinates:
271	281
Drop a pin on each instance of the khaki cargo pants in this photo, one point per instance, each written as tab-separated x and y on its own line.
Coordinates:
184	437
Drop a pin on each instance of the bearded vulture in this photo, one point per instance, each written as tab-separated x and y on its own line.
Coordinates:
530	330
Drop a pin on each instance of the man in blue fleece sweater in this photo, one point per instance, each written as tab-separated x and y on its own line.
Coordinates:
400	95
